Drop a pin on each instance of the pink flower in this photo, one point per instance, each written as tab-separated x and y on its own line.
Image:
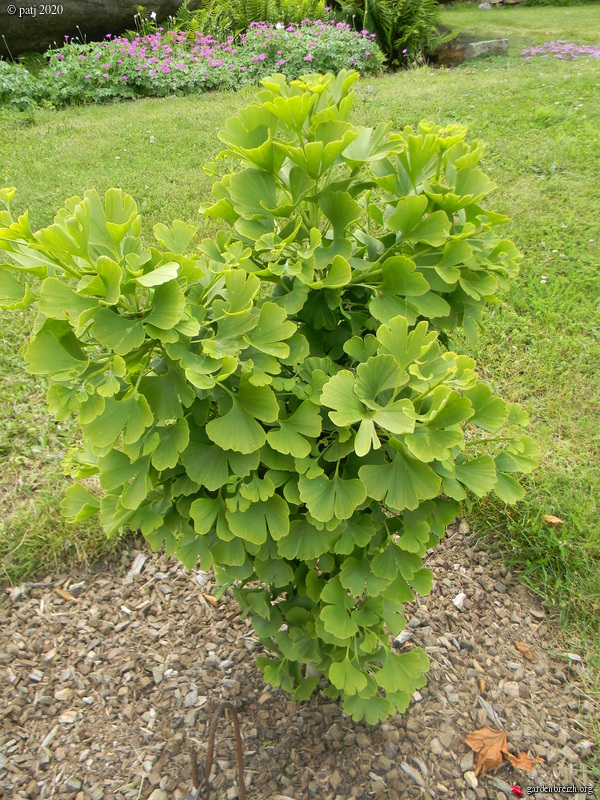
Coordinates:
105	75
281	62
243	69
308	58
261	57
58	74
123	77
87	77
367	53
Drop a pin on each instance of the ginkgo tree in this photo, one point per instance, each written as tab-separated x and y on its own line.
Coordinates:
280	401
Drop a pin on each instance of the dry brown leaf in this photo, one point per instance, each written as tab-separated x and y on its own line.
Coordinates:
492	747
523	761
482	685
552	520
523	648
489	746
211	599
65	595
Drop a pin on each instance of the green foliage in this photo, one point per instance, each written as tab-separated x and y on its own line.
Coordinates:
223	18
278	402
406	29
16	86
168	63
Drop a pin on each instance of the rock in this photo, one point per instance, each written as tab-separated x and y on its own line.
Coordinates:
402	638
467	762
159	794
485	7
191	698
463	526
92	18
436	747
511	688
570	754
459	600
497	47
74	784
552	756
584	747
471	780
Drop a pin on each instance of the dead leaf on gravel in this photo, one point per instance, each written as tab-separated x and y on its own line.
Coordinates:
492	748
523	648
482	685
523	761
552	520
489	746
211	599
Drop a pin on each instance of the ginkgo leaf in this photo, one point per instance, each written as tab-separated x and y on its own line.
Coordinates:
401	483
403	672
289	437
239	429
304	541
264	516
328	498
344	675
272	330
338	393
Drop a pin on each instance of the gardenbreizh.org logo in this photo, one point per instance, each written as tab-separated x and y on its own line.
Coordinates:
571	789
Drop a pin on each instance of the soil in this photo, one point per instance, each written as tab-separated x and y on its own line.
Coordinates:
108	677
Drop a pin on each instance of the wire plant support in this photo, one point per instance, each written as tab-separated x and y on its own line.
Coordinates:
201	783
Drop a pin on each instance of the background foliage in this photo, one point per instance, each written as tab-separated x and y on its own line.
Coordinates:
406	29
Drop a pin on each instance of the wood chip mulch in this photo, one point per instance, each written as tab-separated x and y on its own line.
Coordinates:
107	677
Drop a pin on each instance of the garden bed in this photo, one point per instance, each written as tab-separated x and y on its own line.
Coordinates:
110	677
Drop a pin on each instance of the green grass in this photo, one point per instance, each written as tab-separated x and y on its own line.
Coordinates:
540	120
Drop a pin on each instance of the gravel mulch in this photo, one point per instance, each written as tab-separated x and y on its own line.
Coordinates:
107	677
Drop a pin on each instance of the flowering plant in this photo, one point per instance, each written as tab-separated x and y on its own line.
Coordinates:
570	51
172	62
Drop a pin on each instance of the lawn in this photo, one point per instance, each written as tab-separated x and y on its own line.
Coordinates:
541	346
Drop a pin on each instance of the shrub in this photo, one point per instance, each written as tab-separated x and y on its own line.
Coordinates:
162	63
406	29
17	87
277	401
